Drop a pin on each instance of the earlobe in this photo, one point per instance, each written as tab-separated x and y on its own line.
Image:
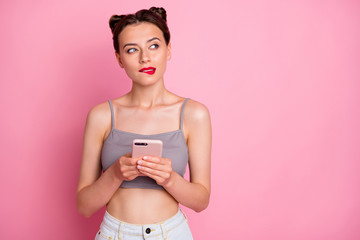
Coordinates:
118	58
169	51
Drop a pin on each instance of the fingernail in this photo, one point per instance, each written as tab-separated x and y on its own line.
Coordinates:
145	157
140	162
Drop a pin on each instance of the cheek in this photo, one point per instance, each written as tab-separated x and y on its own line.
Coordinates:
163	58
129	62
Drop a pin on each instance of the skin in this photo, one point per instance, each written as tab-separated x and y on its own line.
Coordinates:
149	108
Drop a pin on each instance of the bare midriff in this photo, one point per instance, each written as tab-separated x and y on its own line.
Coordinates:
142	206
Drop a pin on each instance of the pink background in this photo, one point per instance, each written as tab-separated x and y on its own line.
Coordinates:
281	79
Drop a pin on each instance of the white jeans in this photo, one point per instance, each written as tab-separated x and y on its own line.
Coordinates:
174	228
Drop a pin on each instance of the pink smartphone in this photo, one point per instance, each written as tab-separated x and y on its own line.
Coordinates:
149	147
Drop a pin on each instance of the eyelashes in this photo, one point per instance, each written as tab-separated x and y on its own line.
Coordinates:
131	50
152	46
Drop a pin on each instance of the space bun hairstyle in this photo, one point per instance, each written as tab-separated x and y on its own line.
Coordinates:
154	15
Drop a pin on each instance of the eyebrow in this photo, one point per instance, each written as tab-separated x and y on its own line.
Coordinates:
150	40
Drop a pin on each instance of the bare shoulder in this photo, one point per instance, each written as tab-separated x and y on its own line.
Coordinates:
197	132
99	116
196	118
195	111
100	111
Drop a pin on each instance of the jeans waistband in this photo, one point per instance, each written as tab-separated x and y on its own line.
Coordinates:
146	230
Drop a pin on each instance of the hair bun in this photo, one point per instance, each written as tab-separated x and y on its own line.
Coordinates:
159	11
114	19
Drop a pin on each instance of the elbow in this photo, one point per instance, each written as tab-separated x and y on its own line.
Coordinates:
83	209
84	212
199	210
201	207
203	203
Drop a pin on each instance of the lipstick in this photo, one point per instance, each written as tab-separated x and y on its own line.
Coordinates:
148	70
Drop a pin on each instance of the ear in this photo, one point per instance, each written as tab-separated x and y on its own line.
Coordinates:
169	51
118	58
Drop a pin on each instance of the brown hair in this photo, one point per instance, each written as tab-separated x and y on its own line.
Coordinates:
154	15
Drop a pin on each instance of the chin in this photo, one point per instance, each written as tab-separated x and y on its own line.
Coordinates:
146	82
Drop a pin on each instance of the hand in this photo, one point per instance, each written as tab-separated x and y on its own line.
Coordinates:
125	168
157	168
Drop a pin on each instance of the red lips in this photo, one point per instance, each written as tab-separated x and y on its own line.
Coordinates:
148	70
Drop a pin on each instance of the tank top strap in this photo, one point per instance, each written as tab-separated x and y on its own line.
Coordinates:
182	113
112	115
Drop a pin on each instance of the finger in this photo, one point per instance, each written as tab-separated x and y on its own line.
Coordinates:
161	178
128	176
130	161
127	172
166	167
149	174
131	173
151	159
162	172
154	160
151	165
134	161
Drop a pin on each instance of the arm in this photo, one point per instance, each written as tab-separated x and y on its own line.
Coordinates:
95	190
196	193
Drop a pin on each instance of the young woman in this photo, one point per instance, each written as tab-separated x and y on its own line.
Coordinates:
142	194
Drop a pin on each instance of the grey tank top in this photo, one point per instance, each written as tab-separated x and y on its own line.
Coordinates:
118	143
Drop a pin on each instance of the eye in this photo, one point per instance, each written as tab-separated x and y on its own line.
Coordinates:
131	50
154	46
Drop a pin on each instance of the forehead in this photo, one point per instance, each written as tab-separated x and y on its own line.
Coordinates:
138	33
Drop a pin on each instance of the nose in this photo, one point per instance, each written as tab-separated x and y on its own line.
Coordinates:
144	57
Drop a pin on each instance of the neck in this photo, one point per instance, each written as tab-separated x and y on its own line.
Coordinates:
148	96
